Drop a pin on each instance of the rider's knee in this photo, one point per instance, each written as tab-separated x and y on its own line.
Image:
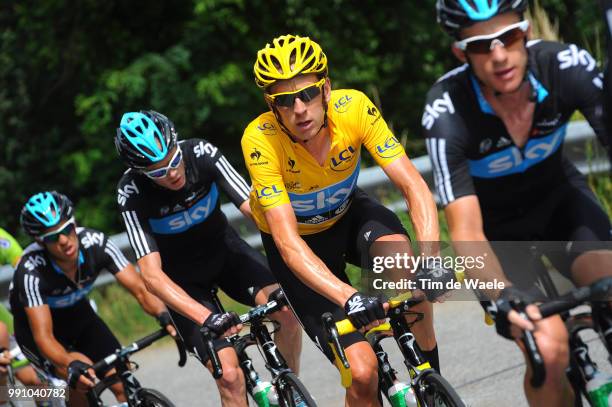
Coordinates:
232	377
554	349
365	375
287	320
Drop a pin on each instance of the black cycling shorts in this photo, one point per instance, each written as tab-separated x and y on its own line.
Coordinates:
78	328
236	268
348	240
567	223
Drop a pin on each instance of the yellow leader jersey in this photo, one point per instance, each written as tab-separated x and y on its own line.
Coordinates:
282	171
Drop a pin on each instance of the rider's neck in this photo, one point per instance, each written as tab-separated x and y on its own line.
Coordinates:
507	102
319	145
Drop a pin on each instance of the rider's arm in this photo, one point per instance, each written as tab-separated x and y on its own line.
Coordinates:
160	285
465	226
41	325
296	254
420	202
133	282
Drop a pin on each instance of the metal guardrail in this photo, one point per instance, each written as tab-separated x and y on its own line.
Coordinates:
373	180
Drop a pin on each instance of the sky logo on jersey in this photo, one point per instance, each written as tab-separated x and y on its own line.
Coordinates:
324	201
63	301
575	56
512	161
186	219
342	161
437	108
390	148
343	104
268	196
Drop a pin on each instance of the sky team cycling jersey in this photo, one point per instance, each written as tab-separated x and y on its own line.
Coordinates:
9	249
282	171
177	224
473	153
38	280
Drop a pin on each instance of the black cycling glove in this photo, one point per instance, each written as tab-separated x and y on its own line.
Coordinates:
76	369
435	274
509	298
217	324
362	310
164	319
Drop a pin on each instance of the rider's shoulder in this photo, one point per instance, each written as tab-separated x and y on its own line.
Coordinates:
559	56
130	187
199	148
264	128
89	237
34	259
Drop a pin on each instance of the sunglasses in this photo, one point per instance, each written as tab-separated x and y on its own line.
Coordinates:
287	99
483	44
66	229
173	164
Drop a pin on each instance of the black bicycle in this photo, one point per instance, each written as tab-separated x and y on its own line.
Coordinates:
137	395
430	388
581	368
290	391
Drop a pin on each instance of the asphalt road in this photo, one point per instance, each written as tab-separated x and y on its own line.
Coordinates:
486	369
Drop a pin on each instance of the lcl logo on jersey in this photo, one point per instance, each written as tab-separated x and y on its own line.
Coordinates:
390	148
91	239
267	128
343	104
433	111
511	161
268	195
187	218
575	56
124	193
342	161
204	148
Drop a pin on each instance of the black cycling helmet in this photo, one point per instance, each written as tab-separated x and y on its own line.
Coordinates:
45	210
454	15
144	138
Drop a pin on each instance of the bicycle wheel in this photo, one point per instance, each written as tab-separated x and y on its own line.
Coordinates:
291	392
153	398
432	390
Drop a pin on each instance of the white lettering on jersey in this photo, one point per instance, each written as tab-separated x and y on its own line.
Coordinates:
91	239
201	148
124	193
35	261
433	111
575	56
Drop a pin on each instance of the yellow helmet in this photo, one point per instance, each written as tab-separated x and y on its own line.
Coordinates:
287	57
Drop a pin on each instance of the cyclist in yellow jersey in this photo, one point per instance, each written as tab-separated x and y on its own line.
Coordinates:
10	252
303	157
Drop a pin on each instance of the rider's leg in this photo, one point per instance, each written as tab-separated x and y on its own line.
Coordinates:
424	330
289	336
231	385
364	372
552	340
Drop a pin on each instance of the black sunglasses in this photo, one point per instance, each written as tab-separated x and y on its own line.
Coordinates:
287	99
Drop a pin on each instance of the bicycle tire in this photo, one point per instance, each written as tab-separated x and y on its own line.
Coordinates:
432	390
287	385
153	398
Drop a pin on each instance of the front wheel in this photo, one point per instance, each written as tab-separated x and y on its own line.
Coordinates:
292	392
153	398
432	390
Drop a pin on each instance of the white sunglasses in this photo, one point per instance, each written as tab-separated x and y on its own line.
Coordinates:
483	44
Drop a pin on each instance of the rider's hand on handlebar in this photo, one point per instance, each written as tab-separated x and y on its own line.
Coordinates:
80	375
365	312
165	321
508	322
226	324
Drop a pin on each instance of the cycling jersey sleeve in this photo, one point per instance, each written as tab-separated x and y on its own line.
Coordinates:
10	251
114	261
133	214
30	287
581	87
228	179
445	135
376	135
262	160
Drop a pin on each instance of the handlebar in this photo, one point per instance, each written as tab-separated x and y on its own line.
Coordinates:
255	314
